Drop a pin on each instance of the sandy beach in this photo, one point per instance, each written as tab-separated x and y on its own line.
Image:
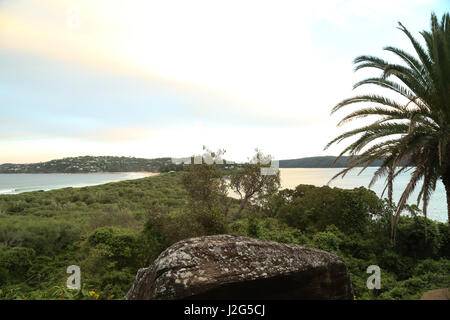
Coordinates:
23	182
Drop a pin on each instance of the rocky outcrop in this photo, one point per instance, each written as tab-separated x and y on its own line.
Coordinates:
231	267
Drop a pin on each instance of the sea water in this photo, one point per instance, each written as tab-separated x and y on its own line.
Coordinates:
26	182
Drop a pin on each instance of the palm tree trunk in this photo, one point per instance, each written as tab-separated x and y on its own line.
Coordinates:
426	222
446	181
390	191
394	229
447	189
390	184
392	232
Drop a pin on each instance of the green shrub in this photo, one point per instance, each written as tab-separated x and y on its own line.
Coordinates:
313	208
327	240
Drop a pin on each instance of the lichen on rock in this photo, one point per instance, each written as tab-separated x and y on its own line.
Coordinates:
231	267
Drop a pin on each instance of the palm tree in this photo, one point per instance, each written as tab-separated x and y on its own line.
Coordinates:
413	131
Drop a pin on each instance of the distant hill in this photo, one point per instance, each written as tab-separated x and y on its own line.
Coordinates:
319	162
89	164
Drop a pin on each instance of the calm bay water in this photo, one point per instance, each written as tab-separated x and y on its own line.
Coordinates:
18	183
290	178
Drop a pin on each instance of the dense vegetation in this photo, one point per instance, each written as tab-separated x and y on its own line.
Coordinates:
112	230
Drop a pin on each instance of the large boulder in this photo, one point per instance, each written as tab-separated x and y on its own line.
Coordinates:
231	267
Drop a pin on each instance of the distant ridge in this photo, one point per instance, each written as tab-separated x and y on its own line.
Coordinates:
89	164
319	162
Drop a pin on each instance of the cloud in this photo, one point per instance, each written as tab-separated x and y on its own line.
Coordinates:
117	135
133	72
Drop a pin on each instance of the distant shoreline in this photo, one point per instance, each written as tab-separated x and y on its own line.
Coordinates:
31	182
150	174
147	173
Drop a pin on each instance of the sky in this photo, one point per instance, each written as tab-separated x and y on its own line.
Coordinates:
163	78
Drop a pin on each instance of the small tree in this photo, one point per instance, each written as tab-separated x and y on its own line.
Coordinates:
251	185
207	191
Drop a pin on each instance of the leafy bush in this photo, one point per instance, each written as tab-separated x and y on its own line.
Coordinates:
312	208
328	240
411	239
